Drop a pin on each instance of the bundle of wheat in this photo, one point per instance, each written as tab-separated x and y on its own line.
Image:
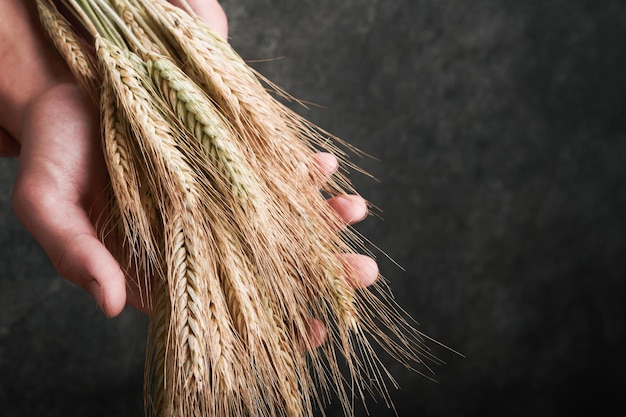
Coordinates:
220	209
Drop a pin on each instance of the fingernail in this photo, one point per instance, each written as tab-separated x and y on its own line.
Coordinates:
96	292
360	201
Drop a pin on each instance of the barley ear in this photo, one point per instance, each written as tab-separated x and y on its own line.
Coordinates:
155	384
72	48
203	120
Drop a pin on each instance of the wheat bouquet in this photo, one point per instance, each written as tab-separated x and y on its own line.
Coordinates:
219	207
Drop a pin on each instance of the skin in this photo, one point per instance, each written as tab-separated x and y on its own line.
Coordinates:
52	126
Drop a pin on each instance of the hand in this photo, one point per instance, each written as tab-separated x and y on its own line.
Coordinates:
60	190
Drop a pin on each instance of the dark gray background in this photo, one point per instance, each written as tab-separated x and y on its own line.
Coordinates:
500	130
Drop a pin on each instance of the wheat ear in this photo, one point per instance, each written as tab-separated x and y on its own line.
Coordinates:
125	179
272	347
189	318
157	144
72	48
181	193
201	117
155	393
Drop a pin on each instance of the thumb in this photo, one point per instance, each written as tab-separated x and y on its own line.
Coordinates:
68	238
81	258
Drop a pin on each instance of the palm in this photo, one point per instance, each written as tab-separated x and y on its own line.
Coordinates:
60	191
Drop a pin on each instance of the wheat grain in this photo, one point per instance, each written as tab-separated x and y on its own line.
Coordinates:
124	177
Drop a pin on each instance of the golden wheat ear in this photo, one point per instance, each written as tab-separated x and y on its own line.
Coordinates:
71	46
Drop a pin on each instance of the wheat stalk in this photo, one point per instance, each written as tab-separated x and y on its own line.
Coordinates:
217	190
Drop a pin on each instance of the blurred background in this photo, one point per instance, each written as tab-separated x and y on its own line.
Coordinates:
498	129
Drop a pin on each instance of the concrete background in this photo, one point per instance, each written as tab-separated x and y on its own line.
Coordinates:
500	132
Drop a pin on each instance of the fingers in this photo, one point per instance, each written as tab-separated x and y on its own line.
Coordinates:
327	164
351	208
361	271
66	234
317	334
8	146
210	11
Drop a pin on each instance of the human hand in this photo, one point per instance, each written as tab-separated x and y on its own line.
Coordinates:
60	190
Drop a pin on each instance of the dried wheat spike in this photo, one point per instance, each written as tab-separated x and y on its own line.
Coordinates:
157	143
125	180
189	310
155	393
182	196
72	48
203	120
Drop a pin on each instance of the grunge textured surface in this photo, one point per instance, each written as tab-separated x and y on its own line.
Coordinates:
500	135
